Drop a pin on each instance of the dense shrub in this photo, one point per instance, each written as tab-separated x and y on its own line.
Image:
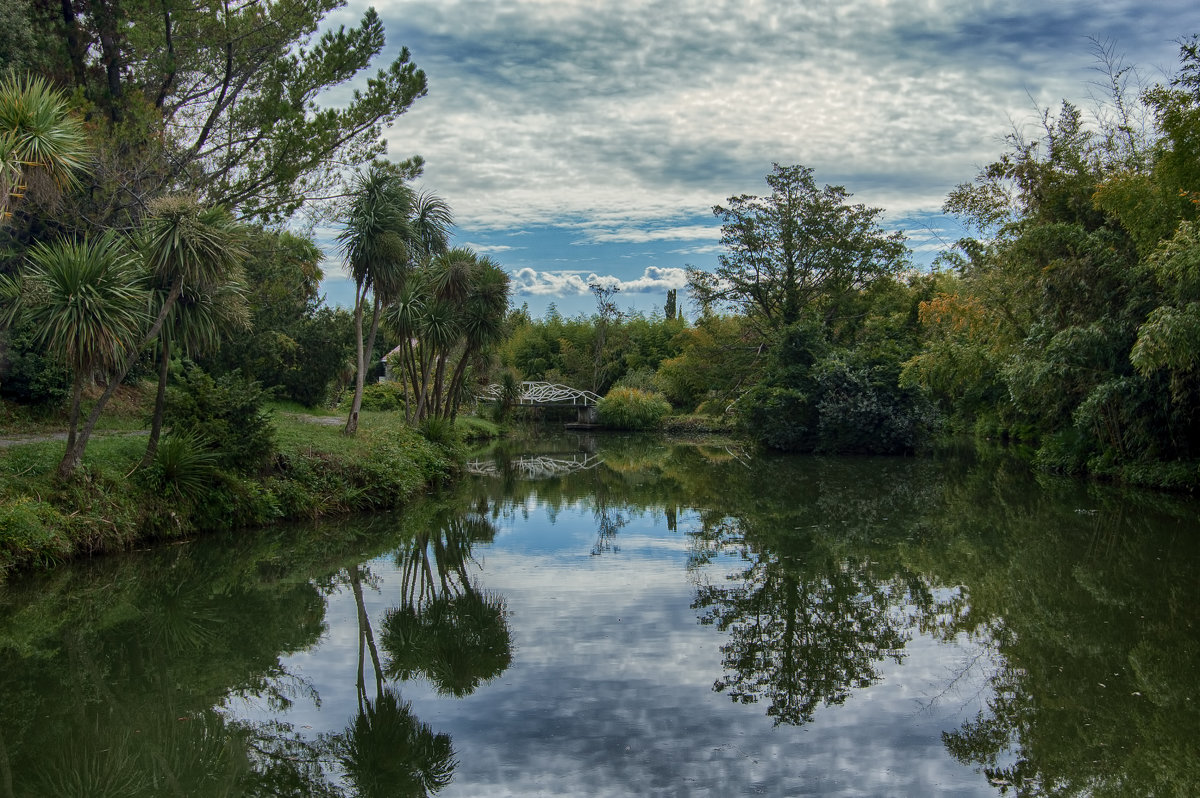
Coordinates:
838	409
629	408
781	418
31	377
862	416
229	412
31	532
183	466
383	396
641	379
816	397
439	431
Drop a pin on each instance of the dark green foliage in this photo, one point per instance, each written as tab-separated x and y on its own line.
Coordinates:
457	643
295	345
799	252
388	751
32	377
229	412
815	398
632	409
860	414
184	466
562	350
439	430
641	379
781	418
1074	322
226	100
31	533
510	392
383	396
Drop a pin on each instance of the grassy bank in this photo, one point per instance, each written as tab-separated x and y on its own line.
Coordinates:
111	505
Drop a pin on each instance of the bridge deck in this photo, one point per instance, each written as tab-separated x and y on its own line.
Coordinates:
543	394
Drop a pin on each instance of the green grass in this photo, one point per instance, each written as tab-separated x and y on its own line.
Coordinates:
111	505
473	428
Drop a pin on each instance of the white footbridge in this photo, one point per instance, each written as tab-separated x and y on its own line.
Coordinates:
543	394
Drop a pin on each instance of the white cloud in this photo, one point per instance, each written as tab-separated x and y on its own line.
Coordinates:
642	235
489	249
540	112
531	282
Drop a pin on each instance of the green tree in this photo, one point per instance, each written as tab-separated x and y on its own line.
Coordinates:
1069	319
182	242
227	98
295	344
448	317
86	304
201	247
387	229
796	253
200	318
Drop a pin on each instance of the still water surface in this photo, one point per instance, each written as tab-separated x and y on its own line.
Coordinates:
629	616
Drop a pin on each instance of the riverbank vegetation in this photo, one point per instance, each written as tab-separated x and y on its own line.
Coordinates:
271	466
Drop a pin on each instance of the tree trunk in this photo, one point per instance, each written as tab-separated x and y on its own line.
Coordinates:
74	454
452	397
438	398
169	78
356	402
413	355
422	399
108	22
404	353
375	315
76	400
75	48
164	371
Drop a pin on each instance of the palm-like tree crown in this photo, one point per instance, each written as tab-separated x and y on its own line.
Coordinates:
191	244
85	301
37	131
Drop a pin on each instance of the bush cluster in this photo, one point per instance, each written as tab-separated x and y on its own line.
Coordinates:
632	409
44	521
383	396
229	413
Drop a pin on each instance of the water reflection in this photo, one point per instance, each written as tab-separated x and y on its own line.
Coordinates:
1079	602
445	629
785	625
115	672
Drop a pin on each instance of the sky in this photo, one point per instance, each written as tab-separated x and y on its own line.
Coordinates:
584	142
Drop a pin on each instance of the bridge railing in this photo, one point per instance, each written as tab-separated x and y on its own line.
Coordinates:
543	393
536	466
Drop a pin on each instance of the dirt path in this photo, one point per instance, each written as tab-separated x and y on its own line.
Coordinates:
16	439
42	437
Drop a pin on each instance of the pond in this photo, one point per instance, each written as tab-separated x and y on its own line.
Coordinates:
612	616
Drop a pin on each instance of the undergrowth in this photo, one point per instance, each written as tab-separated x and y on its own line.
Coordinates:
111	505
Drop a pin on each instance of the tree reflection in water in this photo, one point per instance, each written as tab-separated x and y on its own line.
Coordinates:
388	751
804	628
118	675
445	630
123	676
